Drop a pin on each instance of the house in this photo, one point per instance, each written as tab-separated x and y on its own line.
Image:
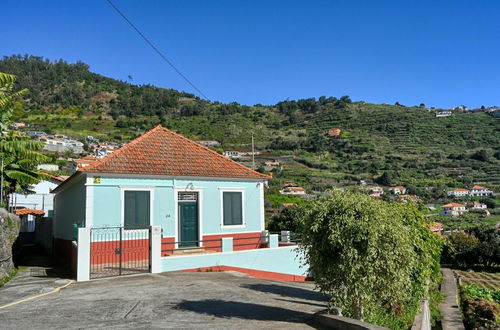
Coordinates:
195	197
102	150
39	197
478	206
376	191
36	133
334	132
443	113
48	167
480	191
459	192
436	227
453	210
232	154
209	144
272	165
402	198
28	219
18	125
285	205
77	164
61	143
397	190
293	191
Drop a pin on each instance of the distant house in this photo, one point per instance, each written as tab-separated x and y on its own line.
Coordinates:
232	154
78	164
443	113
375	191
285	205
407	198
36	133
478	206
453	210
271	165
103	150
458	192
436	227
397	190
209	144
293	191
60	143
48	167
334	132
18	125
39	196
480	191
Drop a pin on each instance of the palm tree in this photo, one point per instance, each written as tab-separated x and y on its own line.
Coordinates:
19	155
6	97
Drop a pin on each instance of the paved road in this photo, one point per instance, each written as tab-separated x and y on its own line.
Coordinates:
170	300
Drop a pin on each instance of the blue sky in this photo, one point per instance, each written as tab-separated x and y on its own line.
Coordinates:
441	53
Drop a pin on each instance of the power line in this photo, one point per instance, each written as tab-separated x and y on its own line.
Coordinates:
156	49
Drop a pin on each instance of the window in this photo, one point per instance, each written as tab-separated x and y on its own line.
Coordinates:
232	208
136	209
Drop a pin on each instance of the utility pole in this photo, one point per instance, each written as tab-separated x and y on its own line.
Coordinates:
253	154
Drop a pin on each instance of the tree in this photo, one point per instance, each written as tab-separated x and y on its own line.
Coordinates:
368	255
6	97
18	153
386	179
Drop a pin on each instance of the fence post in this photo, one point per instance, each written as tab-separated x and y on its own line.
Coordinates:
227	244
83	255
285	236
264	236
273	241
155	241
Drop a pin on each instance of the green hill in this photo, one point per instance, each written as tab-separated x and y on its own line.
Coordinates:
409	144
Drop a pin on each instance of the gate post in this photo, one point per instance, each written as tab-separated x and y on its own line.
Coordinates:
83	255
155	249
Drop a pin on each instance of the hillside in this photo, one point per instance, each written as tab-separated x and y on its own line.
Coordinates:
409	144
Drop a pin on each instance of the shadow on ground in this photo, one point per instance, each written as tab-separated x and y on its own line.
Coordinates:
287	291
243	310
40	263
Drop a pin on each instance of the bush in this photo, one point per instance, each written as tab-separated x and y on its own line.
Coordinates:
371	257
460	249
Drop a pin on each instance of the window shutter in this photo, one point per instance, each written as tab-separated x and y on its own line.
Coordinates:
137	209
232	208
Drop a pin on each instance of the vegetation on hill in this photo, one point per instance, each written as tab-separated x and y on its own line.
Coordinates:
390	143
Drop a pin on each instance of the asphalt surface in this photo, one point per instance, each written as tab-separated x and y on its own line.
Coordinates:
214	300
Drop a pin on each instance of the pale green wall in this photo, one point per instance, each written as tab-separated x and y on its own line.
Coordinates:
69	207
286	260
107	206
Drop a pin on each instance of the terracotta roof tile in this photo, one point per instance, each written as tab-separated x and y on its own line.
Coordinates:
453	205
163	152
28	211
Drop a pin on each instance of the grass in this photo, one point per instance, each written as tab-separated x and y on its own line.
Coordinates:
9	277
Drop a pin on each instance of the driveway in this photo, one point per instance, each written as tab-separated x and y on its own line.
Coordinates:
170	300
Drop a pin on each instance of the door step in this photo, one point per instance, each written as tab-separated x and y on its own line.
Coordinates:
191	250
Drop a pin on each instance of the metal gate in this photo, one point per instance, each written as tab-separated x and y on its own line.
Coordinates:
116	251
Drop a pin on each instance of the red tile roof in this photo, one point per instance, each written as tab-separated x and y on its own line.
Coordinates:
478	187
453	205
163	152
28	211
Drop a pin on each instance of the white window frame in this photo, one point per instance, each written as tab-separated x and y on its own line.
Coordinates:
122	202
243	218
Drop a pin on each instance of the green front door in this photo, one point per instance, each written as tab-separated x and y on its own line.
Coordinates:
188	224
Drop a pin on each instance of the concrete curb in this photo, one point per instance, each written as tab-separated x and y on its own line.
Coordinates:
337	322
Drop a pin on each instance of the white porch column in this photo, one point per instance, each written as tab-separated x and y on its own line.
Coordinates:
83	255
227	244
273	240
155	241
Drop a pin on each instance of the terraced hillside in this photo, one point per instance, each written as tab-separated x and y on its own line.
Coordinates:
386	143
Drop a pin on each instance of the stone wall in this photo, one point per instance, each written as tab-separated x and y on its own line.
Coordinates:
9	230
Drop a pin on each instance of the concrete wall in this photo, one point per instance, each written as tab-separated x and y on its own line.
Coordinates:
107	205
69	207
